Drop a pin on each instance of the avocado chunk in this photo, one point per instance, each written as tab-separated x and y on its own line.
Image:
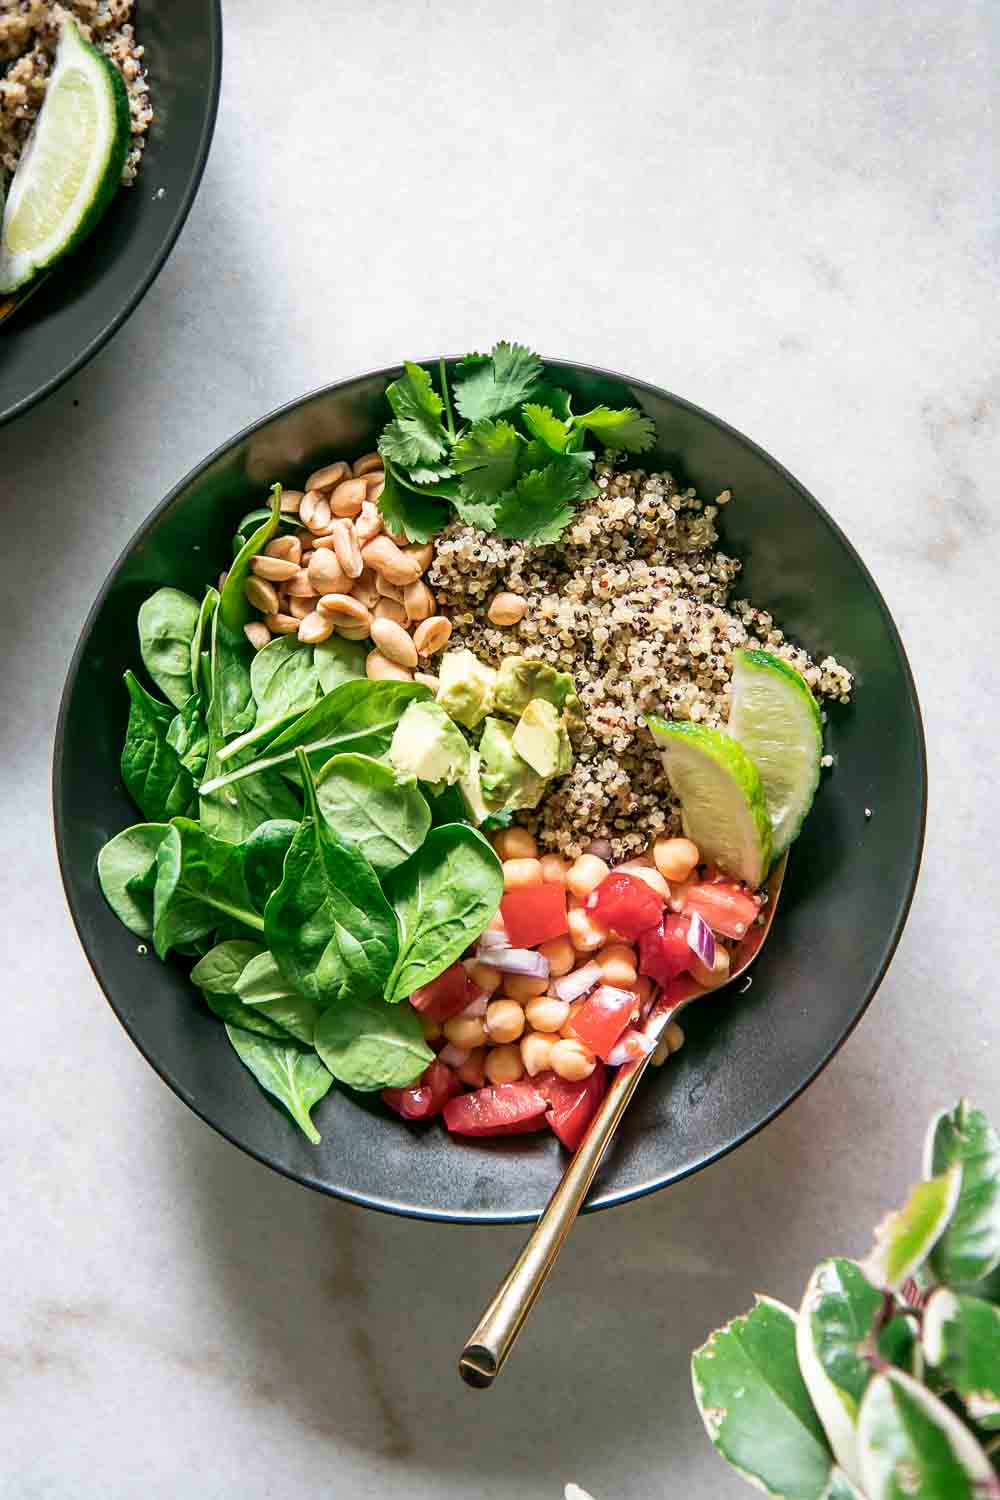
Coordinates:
541	739
508	782
519	680
466	688
428	745
471	787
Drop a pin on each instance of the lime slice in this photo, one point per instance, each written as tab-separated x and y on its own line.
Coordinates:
723	808
776	719
72	163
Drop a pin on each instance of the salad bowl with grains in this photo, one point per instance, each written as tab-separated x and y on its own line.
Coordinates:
439	737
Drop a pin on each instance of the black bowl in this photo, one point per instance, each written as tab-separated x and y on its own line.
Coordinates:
748	1054
89	296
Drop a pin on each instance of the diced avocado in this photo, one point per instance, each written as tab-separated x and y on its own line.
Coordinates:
470	786
507	781
466	688
428	745
537	737
519	680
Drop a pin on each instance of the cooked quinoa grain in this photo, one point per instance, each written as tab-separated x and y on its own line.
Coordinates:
635	603
29	35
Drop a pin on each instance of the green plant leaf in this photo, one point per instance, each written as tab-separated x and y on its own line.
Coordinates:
628	429
911	1445
284	683
961	1338
264	857
293	1075
235	609
338	661
126	868
756	1408
200	644
417	516
230	1009
969	1248
328	924
906	1236
541	505
167	624
154	775
418	435
366	805
220	969
370	1045
486	456
199	881
549	429
481	514
443	897
493	387
187	734
262	987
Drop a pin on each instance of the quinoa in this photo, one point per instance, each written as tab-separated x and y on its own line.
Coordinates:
635	602
29	35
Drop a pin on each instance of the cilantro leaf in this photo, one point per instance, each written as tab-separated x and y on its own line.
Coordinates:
482	514
486	456
489	389
542	423
555	398
627	428
417	436
540	506
418	517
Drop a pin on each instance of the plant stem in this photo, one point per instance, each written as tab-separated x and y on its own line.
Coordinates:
450	421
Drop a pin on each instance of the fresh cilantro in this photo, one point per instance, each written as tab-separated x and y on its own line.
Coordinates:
627	429
482	514
543	424
555	398
491	388
486	457
540	506
417	436
418	517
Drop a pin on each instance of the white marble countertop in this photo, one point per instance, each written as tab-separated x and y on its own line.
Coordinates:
781	212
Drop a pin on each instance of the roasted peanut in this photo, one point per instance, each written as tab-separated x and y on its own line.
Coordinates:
390	562
327	477
262	595
290	502
315	627
390	609
393	642
368	523
287	547
315	512
432	635
281	624
366	464
507	609
325	574
345	545
379	668
348	498
257	634
419	601
344	610
273	569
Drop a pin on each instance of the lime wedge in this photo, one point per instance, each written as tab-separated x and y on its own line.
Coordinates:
776	719
71	165
723	808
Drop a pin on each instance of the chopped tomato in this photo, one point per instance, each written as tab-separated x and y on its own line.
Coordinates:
446	995
500	1110
663	951
534	915
427	1097
625	904
572	1106
602	1018
726	907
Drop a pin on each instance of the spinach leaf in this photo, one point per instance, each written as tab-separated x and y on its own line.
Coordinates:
443	898
328	924
295	1076
220	969
248	524
231	702
448	806
234	607
262	987
358	716
283	683
200	643
167	623
264	857
124	866
198	879
369	1045
365	804
248	1018
338	661
154	777
187	734
221	976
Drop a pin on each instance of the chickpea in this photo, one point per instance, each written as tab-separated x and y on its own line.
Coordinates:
547	1013
472	1070
674	1037
585	934
536	1051
617	963
482	976
523	987
572	1060
554	869
717	975
585	875
560	954
676	858
515	843
520	873
504	1020
503	1064
465	1031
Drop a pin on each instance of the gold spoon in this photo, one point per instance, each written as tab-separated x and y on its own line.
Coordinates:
484	1355
9	305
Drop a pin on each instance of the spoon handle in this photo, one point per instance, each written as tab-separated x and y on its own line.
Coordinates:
483	1357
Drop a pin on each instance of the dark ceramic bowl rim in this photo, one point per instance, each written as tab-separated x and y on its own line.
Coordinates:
84	355
611	1199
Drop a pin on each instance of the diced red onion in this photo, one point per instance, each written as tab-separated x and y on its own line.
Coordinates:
571	986
476	1008
629	1046
701	940
493	939
515	961
455	1057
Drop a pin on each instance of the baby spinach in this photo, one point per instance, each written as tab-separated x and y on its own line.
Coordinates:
226	974
220	969
358	716
167	624
369	1045
367	805
262	987
187	734
235	609
253	519
230	1009
198	880
200	643
294	1075
328	924
283	684
443	898
339	661
124	866
231	708
264	857
152	771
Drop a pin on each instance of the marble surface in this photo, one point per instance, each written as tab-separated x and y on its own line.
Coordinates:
781	212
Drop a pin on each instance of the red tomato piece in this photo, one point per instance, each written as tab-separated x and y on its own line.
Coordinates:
572	1106
663	951
494	1110
534	915
446	995
427	1097
626	904
728	908
602	1018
